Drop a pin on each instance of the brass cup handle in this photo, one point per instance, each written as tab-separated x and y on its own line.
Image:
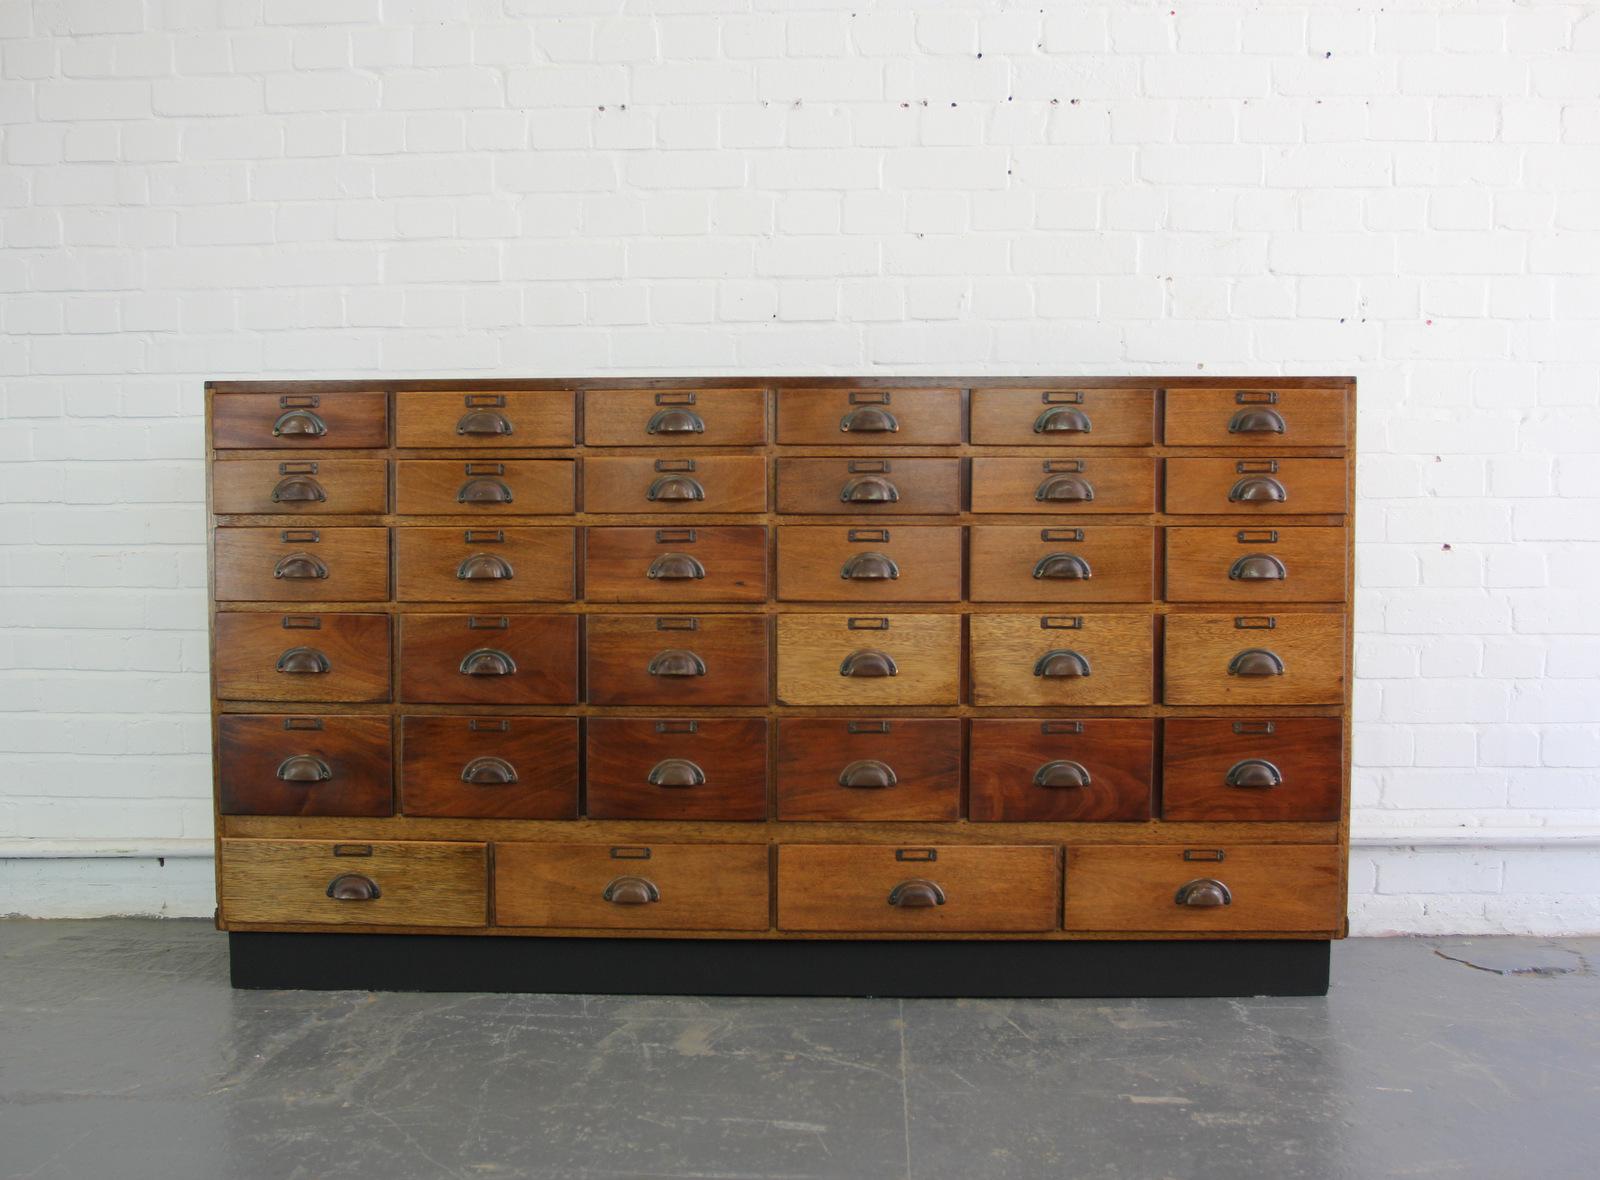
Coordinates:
1062	420
675	420
298	489
1256	421
675	661
868	774
1062	663
304	768
353	887
869	420
1258	489
1255	773
870	567
1064	489
1061	773
484	491
1256	661
676	567
489	771
487	661
676	772
302	422
1258	567
300	566
1067	567
1205	892
916	894
867	663
869	489
676	487
483	423
484	567
631	891
303	661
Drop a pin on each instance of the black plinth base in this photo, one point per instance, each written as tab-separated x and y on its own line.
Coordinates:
663	967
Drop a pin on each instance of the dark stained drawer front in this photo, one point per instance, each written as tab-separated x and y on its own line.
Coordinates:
324	657
903	768
699	563
489	767
632	887
870	887
677	660
869	660
1063	771
1286	768
299	487
1063	417
849	563
704	483
869	417
521	418
484	487
1057	660
277	765
1062	564
1262	417
489	659
1062	485
1256	487
1276	659
1240	888
299	421
1255	565
485	564
710	768
301	564
674	417
321	883
869	487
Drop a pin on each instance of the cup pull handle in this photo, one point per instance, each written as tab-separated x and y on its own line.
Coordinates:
676	772
304	768
1063	772
676	487
916	894
484	567
303	661
489	771
631	891
1062	663
870	567
675	420
676	567
1256	421
484	491
1204	892
1064	489
487	661
868	774
869	489
1062	420
868	663
869	420
675	661
1258	489
1254	773
483	424
299	422
298	567
1258	567
298	489
1063	566
353	887
1256	661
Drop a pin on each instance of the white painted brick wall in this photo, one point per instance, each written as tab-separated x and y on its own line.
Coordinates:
291	188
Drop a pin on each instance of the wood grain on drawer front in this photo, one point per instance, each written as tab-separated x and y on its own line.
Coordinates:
701	483
298	765
1054	660
869	769
1270	888
674	417
868	887
299	421
489	659
484	487
417	883
1076	485
697	563
869	417
1063	771
1256	487
1063	417
897	659
322	657
863	563
301	564
711	768
485	564
489	767
677	660
1062	563
1282	768
1267	659
869	487
632	887
518	418
299	487
1227	564
1258	417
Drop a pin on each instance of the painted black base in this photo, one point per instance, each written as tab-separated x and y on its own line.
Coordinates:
663	967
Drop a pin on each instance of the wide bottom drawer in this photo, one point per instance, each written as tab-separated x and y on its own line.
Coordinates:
323	883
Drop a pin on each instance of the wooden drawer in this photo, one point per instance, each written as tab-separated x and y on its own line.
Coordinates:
708	768
1238	889
899	659
303	421
1264	417
277	765
299	487
870	487
321	883
1256	487
484	487
907	768
705	483
1288	768
1062	485
674	417
489	767
611	887
301	565
906	563
677	660
1062	771
872	887
702	563
1056	660
1255	565
489	659
1278	659
485	564
869	417
1088	563
326	657
520	418
1064	417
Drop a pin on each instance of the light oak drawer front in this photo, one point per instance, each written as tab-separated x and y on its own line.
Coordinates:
1063	771
870	487
1283	768
869	417
1062	564
881	888
1277	659
1063	417
632	887
850	563
708	768
295	765
489	659
1255	565
1256	487
1057	660
1063	485
520	418
700	563
323	657
1241	888
869	769
299	487
489	767
301	564
1261	417
899	659
485	564
677	660
484	487
674	417
704	483
299	421
321	883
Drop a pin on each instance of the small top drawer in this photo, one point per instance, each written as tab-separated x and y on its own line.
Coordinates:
705	563
869	487
274	765
1063	417
303	421
1263	417
1077	485
704	483
299	487
505	659
1255	564
1063	660
515	564
324	657
674	417
677	660
522	418
301	565
484	487
869	417
1276	659
1256	487
899	659
1062	771
1062	564
906	563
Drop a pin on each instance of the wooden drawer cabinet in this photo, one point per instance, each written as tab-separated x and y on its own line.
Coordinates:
301	564
1284	768
674	417
868	488
699	768
702	563
1063	417
1063	771
489	767
299	421
321	657
496	564
296	765
855	769
1063	486
1056	660
1258	417
1255	565
1065	564
489	659
300	487
851	563
323	883
521	418
870	417
484	487
900	659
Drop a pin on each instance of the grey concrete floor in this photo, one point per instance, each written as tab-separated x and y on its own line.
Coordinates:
124	1054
